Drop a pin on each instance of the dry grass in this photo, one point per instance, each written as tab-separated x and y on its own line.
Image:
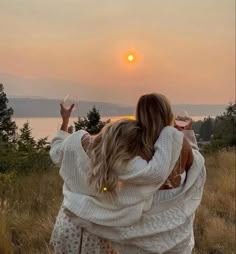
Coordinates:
215	219
28	213
29	207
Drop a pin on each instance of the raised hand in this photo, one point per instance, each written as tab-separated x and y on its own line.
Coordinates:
189	126
66	112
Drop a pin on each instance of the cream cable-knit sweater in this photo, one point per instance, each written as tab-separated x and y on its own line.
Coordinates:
171	220
167	227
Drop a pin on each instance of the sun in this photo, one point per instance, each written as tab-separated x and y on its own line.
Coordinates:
130	58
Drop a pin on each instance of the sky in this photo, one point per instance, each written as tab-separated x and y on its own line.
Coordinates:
184	49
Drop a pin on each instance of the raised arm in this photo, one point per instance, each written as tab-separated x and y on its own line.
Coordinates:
56	151
189	134
186	157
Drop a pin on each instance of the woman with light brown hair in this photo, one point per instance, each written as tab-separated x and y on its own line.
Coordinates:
153	113
131	187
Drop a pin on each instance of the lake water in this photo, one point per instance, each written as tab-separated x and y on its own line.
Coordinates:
47	127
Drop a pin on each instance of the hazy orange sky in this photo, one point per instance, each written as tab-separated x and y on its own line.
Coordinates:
184	49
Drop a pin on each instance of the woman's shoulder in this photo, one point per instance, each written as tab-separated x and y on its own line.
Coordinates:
171	130
169	135
78	134
74	140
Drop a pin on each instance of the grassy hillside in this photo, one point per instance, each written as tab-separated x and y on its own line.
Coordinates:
215	220
29	204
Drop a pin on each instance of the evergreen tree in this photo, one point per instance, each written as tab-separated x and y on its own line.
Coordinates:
7	126
25	140
81	124
230	111
42	145
197	126
225	127
7	151
206	129
92	123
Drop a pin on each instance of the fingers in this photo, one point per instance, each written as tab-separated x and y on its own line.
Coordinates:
72	106
62	106
189	125
178	127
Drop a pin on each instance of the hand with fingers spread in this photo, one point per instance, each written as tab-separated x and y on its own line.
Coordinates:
65	111
65	114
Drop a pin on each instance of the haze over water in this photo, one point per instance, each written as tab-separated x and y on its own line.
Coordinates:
47	127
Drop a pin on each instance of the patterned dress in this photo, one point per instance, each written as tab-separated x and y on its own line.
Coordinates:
68	238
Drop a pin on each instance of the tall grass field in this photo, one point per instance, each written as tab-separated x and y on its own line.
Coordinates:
29	205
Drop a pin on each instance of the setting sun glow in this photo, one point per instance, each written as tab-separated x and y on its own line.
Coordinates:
131	58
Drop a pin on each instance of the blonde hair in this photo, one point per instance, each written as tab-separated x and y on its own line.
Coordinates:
153	113
112	150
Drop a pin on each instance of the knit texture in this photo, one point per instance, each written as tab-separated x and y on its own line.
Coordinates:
140	180
137	216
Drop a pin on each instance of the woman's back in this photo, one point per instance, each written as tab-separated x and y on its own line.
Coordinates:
140	179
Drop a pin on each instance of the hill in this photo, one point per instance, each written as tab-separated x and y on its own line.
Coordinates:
42	107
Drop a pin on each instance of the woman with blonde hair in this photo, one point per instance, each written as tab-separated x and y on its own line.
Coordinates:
138	206
90	165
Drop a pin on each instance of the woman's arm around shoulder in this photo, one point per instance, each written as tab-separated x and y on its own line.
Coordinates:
156	171
186	155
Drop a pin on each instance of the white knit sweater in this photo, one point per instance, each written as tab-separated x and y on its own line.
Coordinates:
140	180
153	226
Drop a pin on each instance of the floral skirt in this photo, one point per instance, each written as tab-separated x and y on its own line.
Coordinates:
68	238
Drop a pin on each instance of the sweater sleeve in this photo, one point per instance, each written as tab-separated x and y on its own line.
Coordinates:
167	151
190	136
56	151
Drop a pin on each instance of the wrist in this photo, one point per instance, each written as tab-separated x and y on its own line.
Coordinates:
64	126
65	120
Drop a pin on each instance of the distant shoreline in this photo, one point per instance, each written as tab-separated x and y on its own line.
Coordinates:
103	118
35	108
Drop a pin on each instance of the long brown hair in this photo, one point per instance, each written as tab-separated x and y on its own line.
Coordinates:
153	113
112	150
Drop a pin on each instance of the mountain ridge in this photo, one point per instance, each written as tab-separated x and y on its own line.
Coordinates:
45	107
